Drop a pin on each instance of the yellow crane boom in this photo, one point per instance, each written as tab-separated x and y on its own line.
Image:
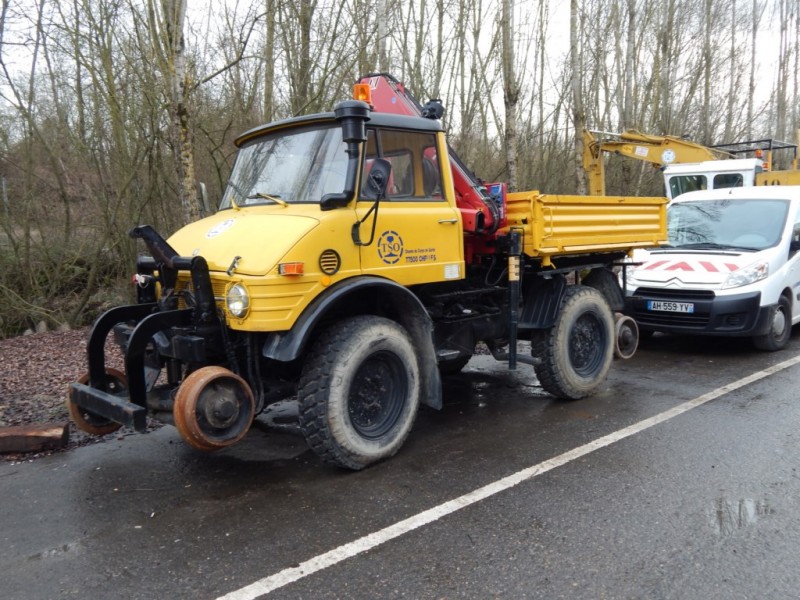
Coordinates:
654	149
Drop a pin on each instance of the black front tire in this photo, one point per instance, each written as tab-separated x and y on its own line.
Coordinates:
575	354
359	392
780	328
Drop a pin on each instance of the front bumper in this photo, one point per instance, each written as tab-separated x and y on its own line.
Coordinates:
737	315
143	322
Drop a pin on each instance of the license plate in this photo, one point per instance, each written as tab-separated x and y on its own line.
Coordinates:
682	307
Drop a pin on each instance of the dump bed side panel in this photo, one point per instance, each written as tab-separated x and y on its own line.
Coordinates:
556	224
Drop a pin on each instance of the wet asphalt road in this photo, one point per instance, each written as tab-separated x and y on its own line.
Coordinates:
703	505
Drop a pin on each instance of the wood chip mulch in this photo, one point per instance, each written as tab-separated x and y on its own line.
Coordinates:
35	372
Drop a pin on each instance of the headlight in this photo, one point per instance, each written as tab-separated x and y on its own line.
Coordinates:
238	300
750	274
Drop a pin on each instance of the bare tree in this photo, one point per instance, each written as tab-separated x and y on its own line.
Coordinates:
578	111
269	60
167	21
510	91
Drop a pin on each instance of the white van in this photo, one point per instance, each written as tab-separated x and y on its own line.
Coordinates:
732	267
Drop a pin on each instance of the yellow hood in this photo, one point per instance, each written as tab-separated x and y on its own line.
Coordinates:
260	237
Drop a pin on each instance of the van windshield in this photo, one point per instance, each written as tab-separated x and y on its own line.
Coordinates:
298	166
737	224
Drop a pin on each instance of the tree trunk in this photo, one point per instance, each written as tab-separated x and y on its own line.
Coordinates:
665	63
627	112
782	82
732	81
269	62
757	11
382	19
707	58
510	91
167	29
578	111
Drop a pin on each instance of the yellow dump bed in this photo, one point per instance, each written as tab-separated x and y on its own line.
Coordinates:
555	224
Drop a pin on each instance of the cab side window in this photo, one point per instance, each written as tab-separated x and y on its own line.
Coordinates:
416	175
728	180
680	184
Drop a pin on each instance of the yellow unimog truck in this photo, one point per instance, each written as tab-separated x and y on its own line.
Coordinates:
346	270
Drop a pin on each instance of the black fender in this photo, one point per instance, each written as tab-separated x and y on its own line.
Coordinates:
396	302
541	301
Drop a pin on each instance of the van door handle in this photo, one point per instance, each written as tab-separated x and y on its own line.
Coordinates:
450	221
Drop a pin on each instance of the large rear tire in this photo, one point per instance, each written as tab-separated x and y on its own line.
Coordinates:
359	392
575	354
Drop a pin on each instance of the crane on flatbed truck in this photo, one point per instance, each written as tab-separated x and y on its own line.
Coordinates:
353	261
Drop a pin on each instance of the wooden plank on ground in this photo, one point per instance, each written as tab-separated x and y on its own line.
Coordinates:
34	438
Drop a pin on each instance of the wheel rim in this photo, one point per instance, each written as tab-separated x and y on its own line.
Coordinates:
627	337
586	343
213	408
779	323
377	395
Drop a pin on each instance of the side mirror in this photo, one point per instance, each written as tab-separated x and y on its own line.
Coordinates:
794	246
374	187
378	179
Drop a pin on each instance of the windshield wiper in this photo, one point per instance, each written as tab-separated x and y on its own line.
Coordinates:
271	197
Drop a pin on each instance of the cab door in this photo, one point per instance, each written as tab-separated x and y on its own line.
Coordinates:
417	232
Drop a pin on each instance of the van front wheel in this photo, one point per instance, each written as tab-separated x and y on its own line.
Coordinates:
780	327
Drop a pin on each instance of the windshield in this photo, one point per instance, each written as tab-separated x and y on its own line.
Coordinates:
740	224
299	166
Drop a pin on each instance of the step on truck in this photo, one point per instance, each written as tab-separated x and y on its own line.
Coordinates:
352	263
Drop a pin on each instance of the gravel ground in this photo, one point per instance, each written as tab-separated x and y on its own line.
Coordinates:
35	371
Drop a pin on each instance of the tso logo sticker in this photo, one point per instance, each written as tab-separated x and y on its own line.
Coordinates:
220	228
390	247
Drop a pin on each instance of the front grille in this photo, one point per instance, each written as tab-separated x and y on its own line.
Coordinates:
696	320
184	288
644	317
675	294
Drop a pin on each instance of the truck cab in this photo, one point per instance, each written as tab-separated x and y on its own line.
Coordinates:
731	267
711	175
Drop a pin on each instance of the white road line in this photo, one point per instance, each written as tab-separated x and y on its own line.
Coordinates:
373	540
